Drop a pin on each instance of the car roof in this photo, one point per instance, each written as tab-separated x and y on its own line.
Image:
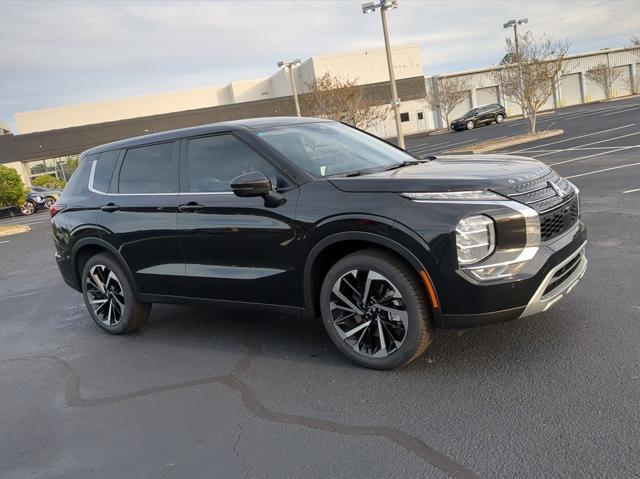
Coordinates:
245	124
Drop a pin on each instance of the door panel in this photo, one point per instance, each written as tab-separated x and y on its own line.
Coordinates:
235	249
139	217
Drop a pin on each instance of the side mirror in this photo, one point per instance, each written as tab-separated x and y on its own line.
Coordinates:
255	183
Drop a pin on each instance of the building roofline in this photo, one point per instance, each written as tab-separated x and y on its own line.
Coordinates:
568	57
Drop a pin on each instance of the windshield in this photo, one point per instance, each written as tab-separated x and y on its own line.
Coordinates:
329	148
471	112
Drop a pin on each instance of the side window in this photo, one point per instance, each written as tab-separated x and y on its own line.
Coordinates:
79	181
149	169
213	161
104	170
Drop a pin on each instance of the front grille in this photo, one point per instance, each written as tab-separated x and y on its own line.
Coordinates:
562	274
553	198
558	220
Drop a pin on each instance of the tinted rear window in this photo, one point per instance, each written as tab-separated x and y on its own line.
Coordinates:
149	169
104	170
79	181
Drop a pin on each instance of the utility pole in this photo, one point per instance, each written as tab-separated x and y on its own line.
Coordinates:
514	23
289	65
384	6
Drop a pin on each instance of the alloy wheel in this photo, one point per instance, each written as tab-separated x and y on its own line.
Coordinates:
105	294
368	313
28	208
499	119
470	125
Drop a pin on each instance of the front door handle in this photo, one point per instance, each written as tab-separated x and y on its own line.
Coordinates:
110	207
192	206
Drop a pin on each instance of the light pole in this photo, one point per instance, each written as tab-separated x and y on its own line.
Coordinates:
384	6
514	23
288	65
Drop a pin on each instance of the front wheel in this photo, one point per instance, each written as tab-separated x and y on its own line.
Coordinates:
470	125
28	208
109	296
499	118
374	310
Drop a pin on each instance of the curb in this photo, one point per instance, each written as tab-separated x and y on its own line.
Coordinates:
492	145
6	230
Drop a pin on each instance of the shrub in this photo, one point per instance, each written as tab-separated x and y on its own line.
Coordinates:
12	190
48	181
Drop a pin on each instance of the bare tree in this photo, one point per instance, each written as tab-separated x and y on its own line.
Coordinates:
604	76
447	93
541	65
342	100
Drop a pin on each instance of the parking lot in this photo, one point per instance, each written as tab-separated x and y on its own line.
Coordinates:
203	392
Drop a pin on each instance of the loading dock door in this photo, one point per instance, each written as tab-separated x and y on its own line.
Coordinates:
487	96
570	91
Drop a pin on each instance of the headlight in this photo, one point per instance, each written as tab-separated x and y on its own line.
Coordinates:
475	238
479	195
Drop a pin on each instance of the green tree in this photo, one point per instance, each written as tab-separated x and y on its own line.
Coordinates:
47	181
12	190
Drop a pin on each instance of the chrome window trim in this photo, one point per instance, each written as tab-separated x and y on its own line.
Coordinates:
178	193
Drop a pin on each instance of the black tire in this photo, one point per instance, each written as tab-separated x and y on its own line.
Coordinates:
499	118
131	316
470	125
48	203
418	332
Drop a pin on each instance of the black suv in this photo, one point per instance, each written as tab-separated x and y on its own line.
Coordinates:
482	115
316	217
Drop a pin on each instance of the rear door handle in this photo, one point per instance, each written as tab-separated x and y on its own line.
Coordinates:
110	207
191	207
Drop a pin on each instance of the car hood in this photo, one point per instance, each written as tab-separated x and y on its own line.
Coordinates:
462	118
450	173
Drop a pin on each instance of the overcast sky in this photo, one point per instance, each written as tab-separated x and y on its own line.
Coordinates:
55	53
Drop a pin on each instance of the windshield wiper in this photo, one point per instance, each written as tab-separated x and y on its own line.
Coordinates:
403	163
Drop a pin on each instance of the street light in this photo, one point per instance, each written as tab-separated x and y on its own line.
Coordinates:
385	6
288	65
514	23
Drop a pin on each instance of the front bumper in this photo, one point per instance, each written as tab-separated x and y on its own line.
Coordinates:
565	265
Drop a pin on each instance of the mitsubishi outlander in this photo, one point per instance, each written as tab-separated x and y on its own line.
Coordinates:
320	219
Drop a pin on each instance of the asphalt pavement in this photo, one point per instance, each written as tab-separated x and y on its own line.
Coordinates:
203	392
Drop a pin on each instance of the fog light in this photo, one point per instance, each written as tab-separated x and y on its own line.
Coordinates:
475	239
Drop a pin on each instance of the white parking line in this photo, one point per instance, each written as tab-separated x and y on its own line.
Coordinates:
426	146
632	191
620	111
6	241
436	148
592	143
602	171
575	137
19	222
593	156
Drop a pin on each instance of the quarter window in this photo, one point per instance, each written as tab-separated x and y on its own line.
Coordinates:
213	161
149	169
104	170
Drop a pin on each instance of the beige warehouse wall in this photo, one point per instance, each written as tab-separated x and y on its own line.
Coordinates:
368	66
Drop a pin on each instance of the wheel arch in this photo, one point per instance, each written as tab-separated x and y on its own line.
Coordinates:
88	247
331	248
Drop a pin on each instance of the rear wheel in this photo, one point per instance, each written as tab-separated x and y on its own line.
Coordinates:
109	297
499	118
470	125
28	208
49	202
374	310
